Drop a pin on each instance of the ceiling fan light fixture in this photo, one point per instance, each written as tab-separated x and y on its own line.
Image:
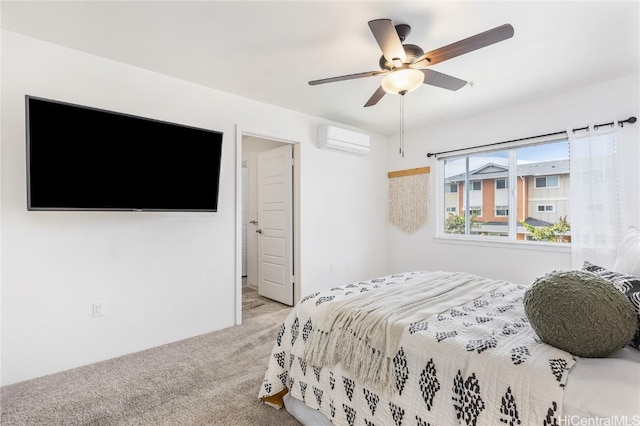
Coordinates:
404	80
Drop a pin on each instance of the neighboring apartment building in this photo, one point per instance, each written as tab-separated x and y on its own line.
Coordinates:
542	196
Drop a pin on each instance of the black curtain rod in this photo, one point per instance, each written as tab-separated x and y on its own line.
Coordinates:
629	120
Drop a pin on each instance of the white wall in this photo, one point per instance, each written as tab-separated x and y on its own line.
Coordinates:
164	277
602	103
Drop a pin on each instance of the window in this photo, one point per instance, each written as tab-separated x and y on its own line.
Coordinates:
545	208
451	187
547	182
517	174
475	210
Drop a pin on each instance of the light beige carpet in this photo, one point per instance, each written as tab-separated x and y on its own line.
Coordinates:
211	379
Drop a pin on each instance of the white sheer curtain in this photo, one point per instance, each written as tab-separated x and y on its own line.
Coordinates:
597	218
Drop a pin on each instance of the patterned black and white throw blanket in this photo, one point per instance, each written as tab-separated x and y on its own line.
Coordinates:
421	348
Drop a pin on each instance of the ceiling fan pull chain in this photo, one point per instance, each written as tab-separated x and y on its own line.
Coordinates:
402	124
400	147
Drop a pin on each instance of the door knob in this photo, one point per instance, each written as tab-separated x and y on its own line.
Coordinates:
259	231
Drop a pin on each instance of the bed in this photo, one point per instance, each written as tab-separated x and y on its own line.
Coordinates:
444	348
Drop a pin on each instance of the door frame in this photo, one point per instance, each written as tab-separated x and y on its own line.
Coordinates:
265	134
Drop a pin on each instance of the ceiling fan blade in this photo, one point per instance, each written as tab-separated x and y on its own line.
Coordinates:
375	97
346	77
387	37
467	45
435	78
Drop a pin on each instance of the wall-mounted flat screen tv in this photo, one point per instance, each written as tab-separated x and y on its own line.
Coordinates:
83	158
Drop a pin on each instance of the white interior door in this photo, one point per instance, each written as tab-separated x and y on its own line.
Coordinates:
252	219
275	224
245	217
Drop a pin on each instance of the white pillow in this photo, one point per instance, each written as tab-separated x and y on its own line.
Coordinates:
628	255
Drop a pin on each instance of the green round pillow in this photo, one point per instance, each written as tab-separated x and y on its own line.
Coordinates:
580	313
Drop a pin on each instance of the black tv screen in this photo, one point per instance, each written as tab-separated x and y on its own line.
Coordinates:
82	158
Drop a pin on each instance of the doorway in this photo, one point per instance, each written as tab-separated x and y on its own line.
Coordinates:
267	259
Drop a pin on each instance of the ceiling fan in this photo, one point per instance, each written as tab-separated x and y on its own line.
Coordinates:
404	66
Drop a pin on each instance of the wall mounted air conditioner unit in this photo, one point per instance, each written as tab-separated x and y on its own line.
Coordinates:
337	139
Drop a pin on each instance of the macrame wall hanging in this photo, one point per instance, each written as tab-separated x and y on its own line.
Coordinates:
409	199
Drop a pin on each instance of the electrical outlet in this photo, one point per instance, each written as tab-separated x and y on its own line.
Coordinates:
99	309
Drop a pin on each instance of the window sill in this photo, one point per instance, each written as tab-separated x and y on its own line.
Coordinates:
498	242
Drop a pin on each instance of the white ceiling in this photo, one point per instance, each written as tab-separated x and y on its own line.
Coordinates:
268	50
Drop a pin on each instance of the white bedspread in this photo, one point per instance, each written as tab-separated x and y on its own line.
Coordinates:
479	363
363	332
